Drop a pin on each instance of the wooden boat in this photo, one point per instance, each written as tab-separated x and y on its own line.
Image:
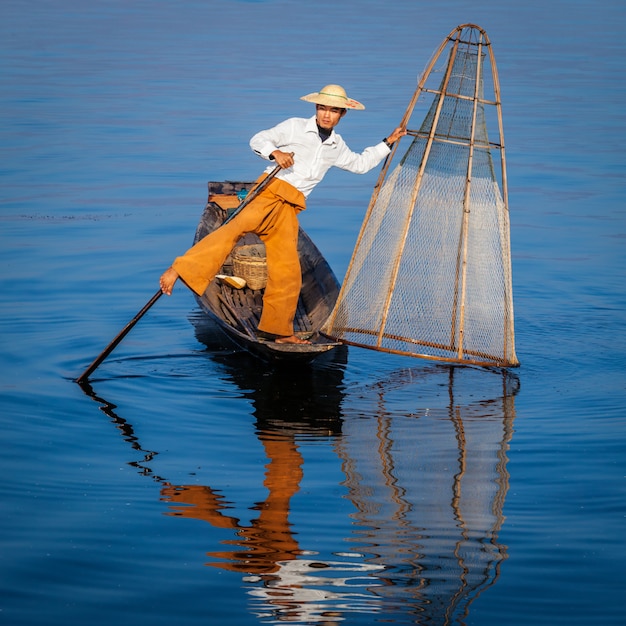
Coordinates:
237	310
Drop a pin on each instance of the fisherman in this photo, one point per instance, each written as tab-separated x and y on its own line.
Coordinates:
305	149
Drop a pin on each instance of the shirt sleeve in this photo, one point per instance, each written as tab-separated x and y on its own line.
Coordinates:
266	141
363	162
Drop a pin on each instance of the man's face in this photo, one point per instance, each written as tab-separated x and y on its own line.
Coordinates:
328	117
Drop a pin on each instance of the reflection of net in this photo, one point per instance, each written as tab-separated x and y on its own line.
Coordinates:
429	487
431	273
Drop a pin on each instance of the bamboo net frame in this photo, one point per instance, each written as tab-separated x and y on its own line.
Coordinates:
430	275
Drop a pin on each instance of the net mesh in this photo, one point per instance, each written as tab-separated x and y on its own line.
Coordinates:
430	275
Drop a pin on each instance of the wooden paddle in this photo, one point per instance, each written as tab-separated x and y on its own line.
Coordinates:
255	191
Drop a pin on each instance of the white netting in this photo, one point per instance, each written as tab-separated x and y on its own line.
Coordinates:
431	273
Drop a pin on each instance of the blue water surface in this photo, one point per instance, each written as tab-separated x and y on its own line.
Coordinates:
191	483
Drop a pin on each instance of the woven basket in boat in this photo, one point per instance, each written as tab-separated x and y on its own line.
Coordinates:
249	263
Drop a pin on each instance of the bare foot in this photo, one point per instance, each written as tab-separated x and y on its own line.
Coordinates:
291	339
169	277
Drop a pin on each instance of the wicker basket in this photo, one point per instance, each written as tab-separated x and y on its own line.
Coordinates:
249	262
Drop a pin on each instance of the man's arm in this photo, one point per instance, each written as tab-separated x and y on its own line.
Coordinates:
265	142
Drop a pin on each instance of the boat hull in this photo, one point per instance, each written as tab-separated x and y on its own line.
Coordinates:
237	311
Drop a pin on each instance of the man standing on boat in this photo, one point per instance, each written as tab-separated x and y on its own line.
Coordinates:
305	149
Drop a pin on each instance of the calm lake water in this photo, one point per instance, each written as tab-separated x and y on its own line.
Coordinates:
193	484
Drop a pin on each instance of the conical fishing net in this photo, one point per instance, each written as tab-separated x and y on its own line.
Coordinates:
430	275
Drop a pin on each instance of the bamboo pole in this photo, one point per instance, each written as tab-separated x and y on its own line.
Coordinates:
416	189
466	202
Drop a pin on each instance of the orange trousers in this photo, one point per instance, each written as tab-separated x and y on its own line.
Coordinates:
273	216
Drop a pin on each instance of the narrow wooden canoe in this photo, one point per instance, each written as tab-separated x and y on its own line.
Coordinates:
237	311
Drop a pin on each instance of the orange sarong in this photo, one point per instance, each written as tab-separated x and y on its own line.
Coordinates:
272	215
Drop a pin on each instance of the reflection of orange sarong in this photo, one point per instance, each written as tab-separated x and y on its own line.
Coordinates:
268	540
272	215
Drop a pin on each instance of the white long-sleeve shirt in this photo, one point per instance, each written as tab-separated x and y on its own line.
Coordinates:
312	158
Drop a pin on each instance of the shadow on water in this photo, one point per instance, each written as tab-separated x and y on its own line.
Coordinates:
427	490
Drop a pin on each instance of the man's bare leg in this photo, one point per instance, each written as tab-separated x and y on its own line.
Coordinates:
169	277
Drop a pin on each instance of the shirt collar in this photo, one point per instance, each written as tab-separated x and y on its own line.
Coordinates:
311	127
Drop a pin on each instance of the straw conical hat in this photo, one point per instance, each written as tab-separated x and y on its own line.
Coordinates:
333	96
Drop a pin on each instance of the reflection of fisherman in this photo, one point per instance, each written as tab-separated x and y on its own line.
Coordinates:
305	149
300	590
268	540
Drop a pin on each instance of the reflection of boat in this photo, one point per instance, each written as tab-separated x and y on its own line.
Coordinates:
237	310
296	397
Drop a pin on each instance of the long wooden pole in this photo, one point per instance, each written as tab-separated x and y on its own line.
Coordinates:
254	192
116	341
105	353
